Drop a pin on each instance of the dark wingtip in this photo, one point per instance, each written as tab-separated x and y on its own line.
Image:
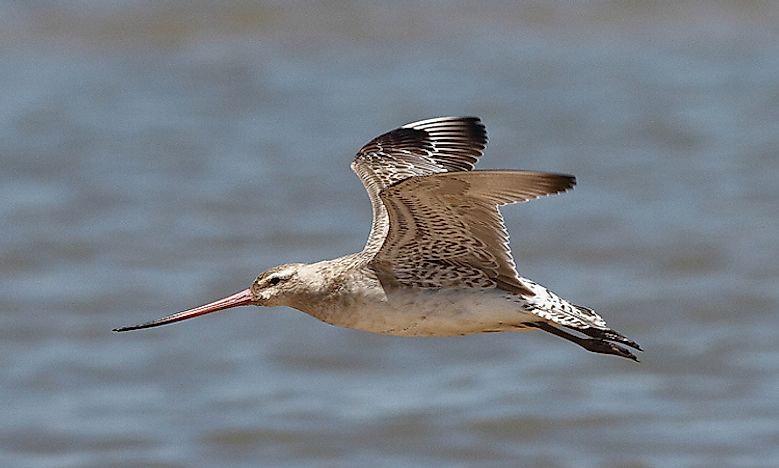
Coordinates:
566	182
558	183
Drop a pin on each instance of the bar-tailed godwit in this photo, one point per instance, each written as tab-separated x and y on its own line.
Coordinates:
437	261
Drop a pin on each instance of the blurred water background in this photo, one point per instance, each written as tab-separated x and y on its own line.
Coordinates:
158	155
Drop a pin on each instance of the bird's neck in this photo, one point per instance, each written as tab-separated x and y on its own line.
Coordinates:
332	286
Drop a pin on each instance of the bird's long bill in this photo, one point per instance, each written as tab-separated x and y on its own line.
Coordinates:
238	299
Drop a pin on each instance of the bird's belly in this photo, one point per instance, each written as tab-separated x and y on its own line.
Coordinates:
446	312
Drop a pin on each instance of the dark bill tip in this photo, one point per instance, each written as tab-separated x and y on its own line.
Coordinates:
238	299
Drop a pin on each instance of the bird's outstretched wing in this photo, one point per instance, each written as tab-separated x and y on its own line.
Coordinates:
444	144
445	230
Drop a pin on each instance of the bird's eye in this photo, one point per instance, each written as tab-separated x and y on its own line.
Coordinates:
274	280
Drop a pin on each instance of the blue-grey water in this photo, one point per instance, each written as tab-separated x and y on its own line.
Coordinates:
158	155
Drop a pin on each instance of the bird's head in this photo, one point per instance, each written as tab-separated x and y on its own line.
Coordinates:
282	285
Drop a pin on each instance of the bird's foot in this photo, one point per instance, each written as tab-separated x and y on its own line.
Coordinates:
606	347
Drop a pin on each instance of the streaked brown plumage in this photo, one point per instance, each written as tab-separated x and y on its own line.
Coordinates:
437	261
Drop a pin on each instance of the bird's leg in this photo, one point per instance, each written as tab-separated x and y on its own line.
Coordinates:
596	345
609	335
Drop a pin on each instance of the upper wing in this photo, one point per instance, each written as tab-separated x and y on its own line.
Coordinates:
445	230
444	144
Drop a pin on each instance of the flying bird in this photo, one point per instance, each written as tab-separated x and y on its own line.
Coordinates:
437	261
